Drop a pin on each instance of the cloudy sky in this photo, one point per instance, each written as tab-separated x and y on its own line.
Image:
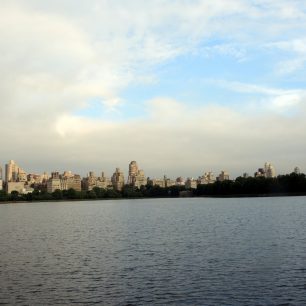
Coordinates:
181	86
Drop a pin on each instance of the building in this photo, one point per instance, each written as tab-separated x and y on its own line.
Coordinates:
136	176
37	179
74	182
13	173
260	172
180	181
140	179
191	183
118	180
267	171
270	170
206	178
163	183
103	182
223	176
20	187
91	181
56	184
15	186
157	182
65	181
168	182
133	170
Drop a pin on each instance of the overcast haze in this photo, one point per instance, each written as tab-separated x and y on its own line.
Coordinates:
182	87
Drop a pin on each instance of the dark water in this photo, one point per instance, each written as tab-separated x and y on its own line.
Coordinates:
154	252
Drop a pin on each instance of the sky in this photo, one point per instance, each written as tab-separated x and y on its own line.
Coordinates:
183	86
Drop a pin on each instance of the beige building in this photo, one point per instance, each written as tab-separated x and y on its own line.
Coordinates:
168	182
206	178
63	182
13	173
74	182
223	176
118	180
37	179
157	182
191	183
20	187
136	176
133	171
14	186
56	183
180	181
91	181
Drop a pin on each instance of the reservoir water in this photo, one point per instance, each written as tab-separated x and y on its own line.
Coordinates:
249	251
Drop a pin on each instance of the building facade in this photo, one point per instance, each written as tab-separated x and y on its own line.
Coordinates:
14	173
191	183
206	178
118	179
136	176
91	181
223	176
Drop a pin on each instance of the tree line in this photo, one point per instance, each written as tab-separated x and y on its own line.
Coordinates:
290	184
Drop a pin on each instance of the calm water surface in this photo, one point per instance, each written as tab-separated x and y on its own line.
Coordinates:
154	252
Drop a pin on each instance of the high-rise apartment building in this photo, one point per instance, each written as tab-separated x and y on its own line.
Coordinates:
13	173
133	170
118	179
136	176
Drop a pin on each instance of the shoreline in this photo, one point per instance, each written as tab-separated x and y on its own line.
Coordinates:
237	196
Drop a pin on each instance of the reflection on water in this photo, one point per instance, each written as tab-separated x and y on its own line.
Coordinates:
161	252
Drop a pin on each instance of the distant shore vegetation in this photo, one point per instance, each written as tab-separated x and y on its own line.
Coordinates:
289	184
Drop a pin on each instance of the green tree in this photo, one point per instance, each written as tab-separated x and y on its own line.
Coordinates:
3	196
14	195
57	194
71	193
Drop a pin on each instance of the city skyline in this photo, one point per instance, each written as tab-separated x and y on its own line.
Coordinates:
179	86
131	171
17	179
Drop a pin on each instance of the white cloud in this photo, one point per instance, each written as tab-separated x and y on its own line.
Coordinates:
58	55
